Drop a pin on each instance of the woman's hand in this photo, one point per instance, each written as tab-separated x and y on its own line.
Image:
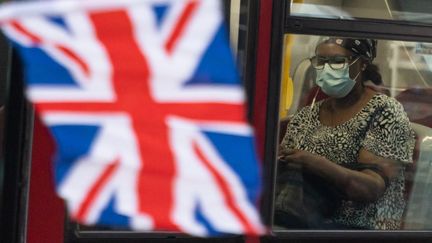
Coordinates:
361	186
297	157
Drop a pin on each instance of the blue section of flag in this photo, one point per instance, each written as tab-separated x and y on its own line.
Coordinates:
59	21
217	66
160	11
42	70
110	217
239	153
72	143
199	216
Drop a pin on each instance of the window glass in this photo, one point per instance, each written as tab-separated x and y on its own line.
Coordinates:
238	27
354	151
415	10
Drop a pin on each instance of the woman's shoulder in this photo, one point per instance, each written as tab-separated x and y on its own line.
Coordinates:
388	108
303	115
386	102
307	109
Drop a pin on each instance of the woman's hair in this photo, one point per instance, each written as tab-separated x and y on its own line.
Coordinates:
372	73
361	47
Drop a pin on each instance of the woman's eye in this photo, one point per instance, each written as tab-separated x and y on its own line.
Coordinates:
339	60
320	62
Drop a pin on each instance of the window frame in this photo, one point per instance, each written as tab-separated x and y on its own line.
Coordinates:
283	23
18	132
334	17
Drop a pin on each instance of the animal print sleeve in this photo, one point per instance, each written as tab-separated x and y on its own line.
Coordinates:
298	122
390	134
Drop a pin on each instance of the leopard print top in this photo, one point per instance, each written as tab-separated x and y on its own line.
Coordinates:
382	127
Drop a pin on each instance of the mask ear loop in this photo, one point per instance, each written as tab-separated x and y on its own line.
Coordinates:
296	142
314	99
355	78
313	104
358	74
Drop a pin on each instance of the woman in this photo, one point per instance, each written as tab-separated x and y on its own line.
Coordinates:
357	140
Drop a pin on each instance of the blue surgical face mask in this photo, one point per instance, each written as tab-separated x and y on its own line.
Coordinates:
335	83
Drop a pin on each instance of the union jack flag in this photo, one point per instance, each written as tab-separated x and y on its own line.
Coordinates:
145	105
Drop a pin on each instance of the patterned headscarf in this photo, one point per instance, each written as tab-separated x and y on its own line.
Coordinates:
362	47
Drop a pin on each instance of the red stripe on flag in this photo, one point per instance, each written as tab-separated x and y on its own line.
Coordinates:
66	51
95	190
203	111
181	24
35	39
75	58
229	195
131	76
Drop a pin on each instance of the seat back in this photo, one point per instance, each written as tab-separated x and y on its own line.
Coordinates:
418	214
417	104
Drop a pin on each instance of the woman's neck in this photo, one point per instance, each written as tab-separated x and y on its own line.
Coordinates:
350	100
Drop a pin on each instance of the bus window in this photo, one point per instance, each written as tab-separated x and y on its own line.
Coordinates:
355	135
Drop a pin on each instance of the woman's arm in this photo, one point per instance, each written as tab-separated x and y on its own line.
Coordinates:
365	185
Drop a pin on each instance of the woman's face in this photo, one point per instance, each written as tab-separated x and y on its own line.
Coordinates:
331	50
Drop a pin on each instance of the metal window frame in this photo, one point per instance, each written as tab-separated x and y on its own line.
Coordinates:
17	150
251	42
283	23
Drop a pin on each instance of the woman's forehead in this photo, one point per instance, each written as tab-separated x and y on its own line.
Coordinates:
331	49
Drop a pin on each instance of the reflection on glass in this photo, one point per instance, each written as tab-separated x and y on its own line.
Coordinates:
355	141
415	10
